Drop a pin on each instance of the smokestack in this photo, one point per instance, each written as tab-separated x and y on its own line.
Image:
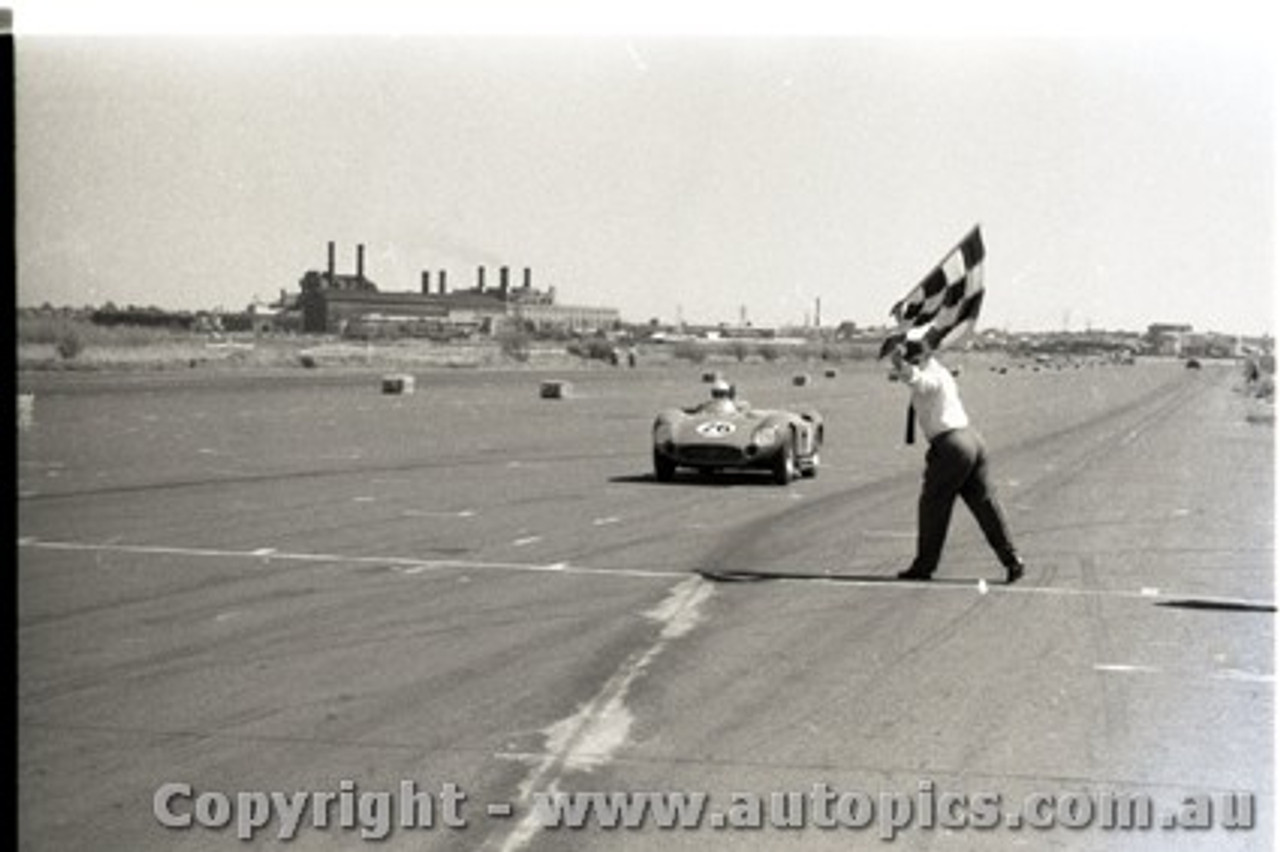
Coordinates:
426	282
502	280
817	312
360	262
443	287
332	249
528	278
480	279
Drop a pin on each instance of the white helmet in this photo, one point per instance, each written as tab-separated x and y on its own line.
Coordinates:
720	389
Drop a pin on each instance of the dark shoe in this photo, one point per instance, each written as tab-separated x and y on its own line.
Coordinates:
1014	569
914	573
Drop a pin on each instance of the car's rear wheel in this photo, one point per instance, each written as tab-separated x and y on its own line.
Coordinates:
664	469
784	463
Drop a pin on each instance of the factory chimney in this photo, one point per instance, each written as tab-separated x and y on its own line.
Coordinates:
480	279
528	278
360	262
426	282
332	249
502	281
443	287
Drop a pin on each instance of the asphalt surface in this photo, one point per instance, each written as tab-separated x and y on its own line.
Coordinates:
294	583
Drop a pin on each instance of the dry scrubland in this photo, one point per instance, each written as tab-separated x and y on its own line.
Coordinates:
60	344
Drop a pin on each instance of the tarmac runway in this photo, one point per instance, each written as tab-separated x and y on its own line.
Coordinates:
292	583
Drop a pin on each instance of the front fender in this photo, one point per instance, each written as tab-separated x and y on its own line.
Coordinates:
664	425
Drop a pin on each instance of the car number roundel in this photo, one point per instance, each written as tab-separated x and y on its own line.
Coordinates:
715	429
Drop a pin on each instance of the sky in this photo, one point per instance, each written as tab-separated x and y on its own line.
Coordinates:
697	171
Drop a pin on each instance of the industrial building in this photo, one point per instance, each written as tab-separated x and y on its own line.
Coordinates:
353	306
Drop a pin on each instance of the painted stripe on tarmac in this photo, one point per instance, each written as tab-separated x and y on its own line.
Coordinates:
405	564
861	582
1237	675
982	586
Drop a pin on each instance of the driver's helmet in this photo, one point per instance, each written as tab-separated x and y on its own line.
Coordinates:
720	389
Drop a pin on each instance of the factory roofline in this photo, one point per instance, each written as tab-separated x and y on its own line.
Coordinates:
456	299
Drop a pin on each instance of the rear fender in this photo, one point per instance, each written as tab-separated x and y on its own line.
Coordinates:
813	431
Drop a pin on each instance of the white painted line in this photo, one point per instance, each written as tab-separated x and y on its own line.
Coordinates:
887	583
1244	676
393	562
427	513
1125	668
600	522
1234	675
834	579
522	542
591	737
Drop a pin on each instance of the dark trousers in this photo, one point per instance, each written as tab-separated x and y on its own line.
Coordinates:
956	464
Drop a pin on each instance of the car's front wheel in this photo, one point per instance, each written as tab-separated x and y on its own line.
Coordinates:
784	463
664	469
810	470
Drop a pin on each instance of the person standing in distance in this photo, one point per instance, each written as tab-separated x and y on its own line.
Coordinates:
955	465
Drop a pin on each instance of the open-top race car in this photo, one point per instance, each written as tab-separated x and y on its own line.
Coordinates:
723	433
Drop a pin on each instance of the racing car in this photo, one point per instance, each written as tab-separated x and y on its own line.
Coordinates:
723	433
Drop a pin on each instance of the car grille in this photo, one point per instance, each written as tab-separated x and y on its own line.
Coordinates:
711	454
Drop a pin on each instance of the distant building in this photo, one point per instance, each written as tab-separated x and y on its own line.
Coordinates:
332	303
1167	338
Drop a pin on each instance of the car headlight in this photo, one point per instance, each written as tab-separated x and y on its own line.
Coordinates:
765	436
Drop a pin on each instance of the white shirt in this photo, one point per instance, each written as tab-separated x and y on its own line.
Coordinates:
935	397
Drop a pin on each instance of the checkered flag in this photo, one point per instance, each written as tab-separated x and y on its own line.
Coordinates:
946	303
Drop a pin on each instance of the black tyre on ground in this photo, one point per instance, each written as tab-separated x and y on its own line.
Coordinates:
664	469
784	463
810	469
